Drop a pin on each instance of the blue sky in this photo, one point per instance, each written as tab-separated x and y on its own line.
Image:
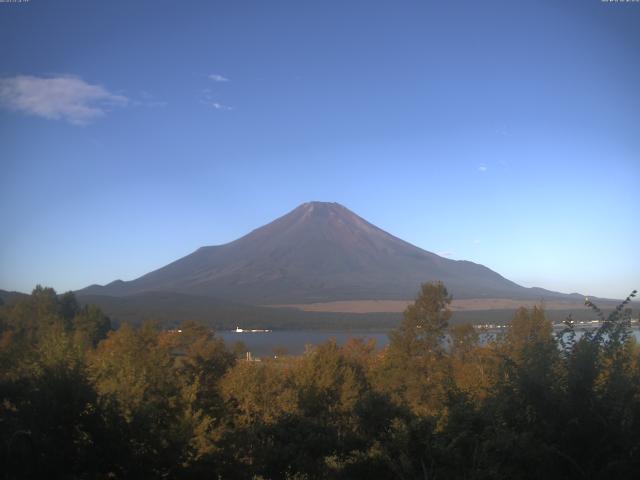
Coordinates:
502	132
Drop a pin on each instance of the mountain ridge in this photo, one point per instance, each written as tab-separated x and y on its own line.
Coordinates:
319	251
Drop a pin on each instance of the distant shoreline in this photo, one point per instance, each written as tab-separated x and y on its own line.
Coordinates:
398	306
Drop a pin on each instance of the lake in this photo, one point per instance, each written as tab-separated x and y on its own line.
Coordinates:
295	341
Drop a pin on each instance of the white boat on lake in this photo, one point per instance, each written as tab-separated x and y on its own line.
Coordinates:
243	330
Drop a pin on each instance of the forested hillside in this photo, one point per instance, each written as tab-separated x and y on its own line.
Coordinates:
79	400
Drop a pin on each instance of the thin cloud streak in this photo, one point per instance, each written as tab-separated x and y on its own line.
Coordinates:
217	78
218	106
62	97
209	100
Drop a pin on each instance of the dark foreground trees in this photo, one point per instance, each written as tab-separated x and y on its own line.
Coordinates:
78	400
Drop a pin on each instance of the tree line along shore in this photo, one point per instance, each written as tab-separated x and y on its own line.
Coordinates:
80	400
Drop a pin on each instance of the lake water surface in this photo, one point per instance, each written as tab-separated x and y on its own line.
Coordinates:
295	341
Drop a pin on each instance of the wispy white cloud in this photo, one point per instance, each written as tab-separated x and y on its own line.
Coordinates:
62	97
445	254
482	168
476	241
209	100
219	106
217	78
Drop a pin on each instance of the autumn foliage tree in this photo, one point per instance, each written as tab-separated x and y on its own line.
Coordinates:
79	400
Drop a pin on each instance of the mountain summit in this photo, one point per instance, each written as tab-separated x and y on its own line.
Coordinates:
318	252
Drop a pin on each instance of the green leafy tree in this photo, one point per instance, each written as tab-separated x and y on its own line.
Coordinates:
48	404
91	325
415	365
425	322
137	387
200	361
464	339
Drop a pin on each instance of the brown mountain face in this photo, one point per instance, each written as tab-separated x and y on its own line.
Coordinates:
318	252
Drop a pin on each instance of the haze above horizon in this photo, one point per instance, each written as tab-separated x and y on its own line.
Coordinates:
504	133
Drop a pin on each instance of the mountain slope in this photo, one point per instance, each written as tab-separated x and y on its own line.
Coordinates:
317	252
